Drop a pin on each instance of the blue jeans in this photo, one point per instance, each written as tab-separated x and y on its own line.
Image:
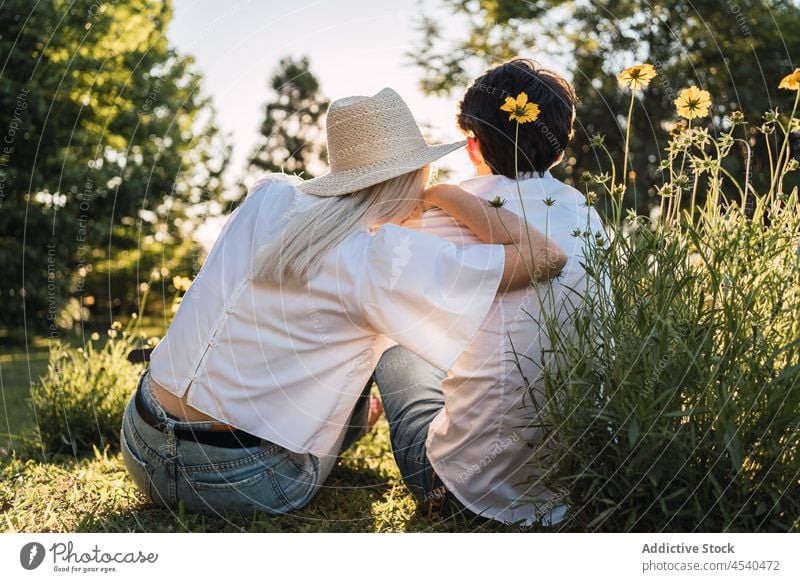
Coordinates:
216	480
411	390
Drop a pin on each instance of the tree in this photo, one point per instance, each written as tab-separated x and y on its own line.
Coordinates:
291	133
108	143
738	52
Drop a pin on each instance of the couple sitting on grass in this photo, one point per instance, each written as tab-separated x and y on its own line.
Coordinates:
316	289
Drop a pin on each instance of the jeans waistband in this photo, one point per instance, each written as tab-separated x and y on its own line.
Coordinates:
206	432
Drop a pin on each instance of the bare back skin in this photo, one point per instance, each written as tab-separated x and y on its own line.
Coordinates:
176	406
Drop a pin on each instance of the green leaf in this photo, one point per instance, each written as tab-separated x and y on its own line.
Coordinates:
690	412
633	432
732	445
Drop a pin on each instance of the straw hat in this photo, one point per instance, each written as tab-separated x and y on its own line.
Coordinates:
370	140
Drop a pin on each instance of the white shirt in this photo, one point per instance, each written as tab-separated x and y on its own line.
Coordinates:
476	444
288	364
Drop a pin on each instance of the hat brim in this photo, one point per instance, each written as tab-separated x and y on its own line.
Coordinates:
348	181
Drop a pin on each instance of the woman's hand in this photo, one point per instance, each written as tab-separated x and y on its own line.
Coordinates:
428	201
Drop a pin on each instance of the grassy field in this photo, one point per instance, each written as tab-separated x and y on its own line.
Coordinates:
363	494
94	494
18	368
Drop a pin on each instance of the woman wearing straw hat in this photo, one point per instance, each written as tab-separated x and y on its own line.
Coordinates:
259	383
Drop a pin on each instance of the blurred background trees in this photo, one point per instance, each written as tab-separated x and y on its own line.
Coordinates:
111	157
709	43
292	139
107	144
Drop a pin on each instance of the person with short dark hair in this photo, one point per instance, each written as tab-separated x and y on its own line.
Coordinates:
490	133
467	441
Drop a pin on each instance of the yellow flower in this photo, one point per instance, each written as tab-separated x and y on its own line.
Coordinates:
181	283
791	81
520	109
693	103
637	77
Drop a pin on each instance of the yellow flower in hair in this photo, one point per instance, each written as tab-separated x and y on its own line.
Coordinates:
520	109
637	77
693	103
791	81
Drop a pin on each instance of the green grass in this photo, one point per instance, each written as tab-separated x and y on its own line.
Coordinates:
363	494
95	494
21	367
18	368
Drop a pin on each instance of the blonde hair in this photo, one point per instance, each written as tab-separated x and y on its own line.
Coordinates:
296	253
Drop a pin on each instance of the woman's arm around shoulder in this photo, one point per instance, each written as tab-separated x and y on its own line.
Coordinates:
530	255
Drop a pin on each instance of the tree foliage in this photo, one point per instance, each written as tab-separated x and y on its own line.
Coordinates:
106	142
292	127
737	51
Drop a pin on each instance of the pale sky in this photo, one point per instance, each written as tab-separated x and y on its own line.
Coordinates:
356	47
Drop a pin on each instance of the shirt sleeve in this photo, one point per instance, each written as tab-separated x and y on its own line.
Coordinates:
427	294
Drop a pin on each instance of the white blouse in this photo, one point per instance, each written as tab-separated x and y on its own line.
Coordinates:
484	444
288	363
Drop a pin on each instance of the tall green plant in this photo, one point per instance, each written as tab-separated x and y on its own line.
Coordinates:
78	404
674	393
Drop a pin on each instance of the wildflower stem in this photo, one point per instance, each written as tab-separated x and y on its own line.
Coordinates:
694	198
613	168
785	147
627	141
771	161
519	188
683	159
733	180
747	168
141	307
618	203
719	168
661	207
777	179
679	194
